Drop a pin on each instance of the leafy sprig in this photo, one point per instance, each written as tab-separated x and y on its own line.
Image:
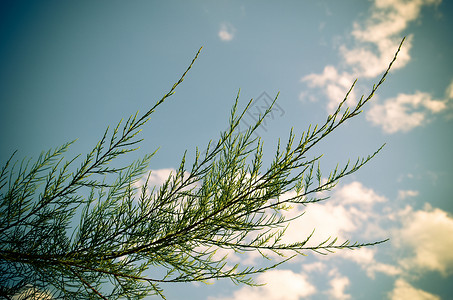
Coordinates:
129	240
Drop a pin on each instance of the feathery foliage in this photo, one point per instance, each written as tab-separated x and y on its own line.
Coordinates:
90	232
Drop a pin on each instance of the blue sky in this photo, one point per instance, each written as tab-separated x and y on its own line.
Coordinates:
69	69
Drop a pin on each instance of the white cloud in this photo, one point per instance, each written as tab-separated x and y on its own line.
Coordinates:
357	193
404	112
338	286
382	29
375	42
370	63
158	177
280	285
403	194
314	267
423	240
362	256
387	269
328	221
365	258
405	291
428	237
226	32
334	84
349	212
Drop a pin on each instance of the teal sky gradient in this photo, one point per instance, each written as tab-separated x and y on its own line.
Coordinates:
70	69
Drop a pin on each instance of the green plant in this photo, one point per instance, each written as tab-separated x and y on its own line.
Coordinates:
227	199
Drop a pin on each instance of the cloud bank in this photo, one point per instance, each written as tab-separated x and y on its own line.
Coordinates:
421	242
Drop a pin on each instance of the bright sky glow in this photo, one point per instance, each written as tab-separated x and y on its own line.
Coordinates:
69	69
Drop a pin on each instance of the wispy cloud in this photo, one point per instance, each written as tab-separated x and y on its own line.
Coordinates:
375	41
403	194
226	32
379	35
